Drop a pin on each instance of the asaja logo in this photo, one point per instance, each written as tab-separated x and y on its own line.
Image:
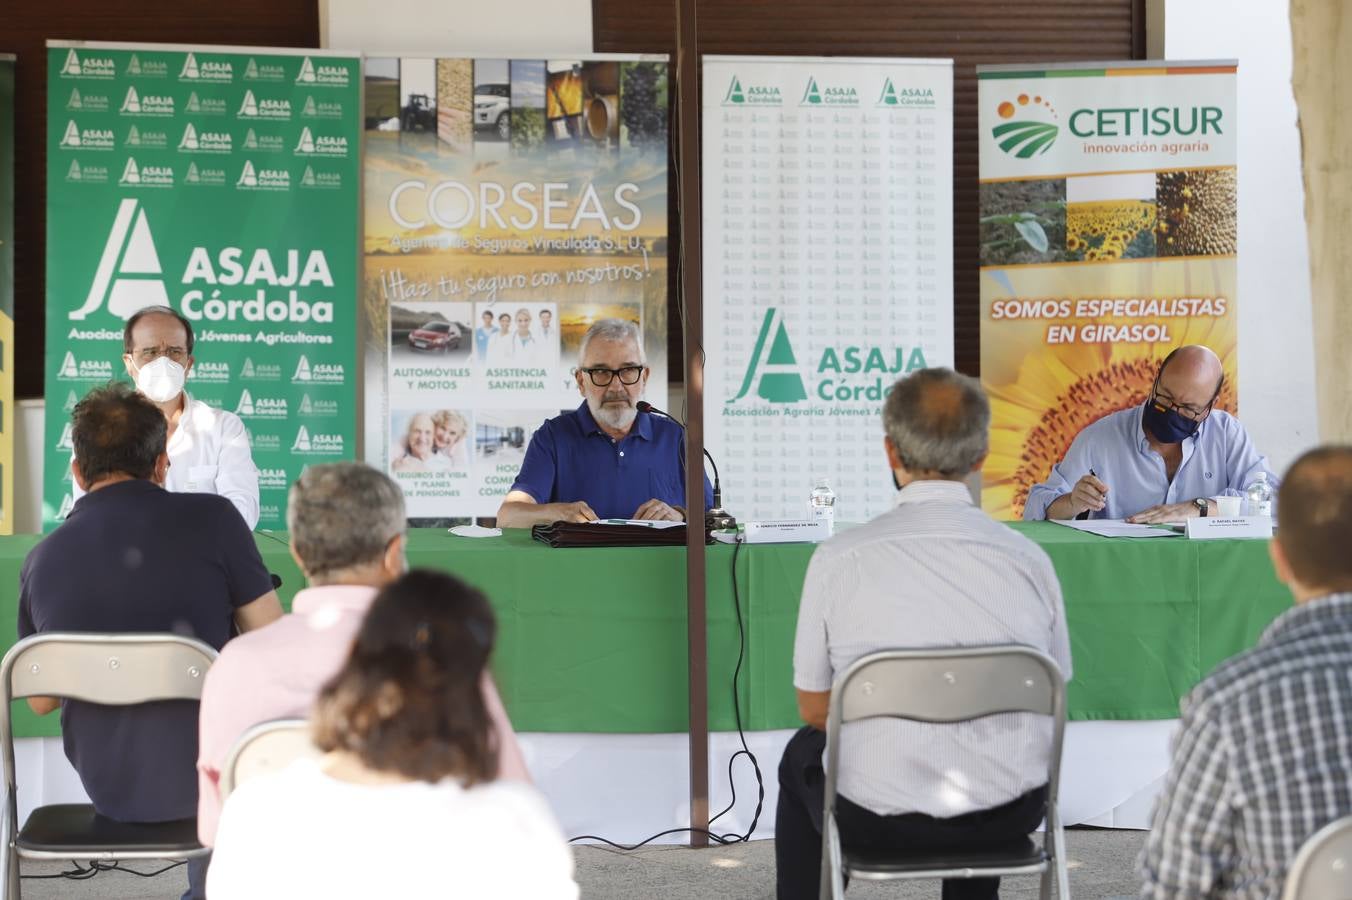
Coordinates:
153	140
260	371
266	71
753	95
267	143
76	138
252	107
1030	135
317	443
67	504
206	71
88	67
842	373
773	370
251	179
205	141
320	373
324	145
317	408
320	180
135	104
209	372
322	109
71	400
260	408
323	74
205	106
65	442
86	174
128	276
272	480
73	369
146	176
906	98
814	95
204	175
151	68
87	102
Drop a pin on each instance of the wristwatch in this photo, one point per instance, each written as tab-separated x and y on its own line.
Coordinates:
1202	504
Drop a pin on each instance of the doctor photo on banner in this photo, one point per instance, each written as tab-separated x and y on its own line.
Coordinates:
525	336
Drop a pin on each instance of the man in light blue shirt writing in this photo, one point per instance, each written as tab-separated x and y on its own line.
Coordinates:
1158	462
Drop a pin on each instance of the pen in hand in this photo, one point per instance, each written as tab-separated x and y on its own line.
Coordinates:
1085	514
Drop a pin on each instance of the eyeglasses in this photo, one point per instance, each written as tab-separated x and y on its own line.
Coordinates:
150	354
1187	410
601	376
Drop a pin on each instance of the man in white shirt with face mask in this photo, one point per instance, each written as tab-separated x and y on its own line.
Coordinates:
208	447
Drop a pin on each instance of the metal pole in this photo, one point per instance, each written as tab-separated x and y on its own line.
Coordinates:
689	284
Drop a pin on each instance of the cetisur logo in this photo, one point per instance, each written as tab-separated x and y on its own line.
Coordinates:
773	369
1026	136
129	276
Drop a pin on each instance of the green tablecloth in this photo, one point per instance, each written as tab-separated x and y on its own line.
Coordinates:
595	640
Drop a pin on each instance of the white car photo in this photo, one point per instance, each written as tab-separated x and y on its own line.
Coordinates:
492	109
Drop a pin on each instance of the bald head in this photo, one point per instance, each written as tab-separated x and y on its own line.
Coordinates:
1315	501
1191	375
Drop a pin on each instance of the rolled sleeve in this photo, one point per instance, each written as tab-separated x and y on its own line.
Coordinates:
236	474
539	470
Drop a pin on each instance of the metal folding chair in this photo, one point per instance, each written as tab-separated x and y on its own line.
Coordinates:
115	670
946	686
266	747
1322	869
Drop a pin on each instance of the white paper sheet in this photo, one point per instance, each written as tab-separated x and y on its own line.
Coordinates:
1116	528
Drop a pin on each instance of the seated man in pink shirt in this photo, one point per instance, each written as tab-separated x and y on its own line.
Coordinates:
347	535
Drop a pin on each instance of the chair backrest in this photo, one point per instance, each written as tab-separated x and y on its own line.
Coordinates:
266	747
946	685
1322	869
112	669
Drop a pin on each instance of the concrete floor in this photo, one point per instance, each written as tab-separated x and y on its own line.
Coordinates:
1102	867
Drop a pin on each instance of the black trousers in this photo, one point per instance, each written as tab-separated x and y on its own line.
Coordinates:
798	826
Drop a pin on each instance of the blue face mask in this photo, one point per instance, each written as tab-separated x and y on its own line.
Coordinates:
1168	426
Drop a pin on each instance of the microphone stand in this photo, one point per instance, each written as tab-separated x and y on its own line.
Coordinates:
717	518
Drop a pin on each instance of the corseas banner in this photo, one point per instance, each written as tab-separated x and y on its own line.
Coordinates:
6	294
221	182
509	205
828	268
1107	239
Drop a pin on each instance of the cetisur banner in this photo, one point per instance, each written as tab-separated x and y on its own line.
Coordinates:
1107	239
221	182
6	294
509	205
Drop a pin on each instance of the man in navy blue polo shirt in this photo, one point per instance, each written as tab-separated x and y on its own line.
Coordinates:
133	557
605	459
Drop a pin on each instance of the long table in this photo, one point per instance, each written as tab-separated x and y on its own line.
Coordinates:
593	640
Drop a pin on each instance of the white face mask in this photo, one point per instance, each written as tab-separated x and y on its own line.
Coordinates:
161	380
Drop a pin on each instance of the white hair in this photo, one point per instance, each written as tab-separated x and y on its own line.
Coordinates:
612	330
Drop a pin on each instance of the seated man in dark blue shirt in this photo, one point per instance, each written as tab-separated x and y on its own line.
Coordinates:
133	557
604	459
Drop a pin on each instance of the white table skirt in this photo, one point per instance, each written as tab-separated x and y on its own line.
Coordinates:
625	787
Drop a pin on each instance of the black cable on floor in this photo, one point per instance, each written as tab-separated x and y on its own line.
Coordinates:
717	838
96	866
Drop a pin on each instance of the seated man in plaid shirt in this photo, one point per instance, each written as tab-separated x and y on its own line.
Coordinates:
1263	757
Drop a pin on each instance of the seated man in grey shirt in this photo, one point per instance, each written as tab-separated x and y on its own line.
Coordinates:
935	571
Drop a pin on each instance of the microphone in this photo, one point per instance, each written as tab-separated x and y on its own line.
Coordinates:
717	518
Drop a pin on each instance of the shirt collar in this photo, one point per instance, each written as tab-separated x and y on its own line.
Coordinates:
353	597
1314	616
1144	443
931	490
642	424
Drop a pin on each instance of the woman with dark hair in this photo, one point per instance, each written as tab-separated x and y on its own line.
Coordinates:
402	803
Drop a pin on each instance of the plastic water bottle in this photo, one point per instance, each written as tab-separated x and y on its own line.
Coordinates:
1260	496
823	504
